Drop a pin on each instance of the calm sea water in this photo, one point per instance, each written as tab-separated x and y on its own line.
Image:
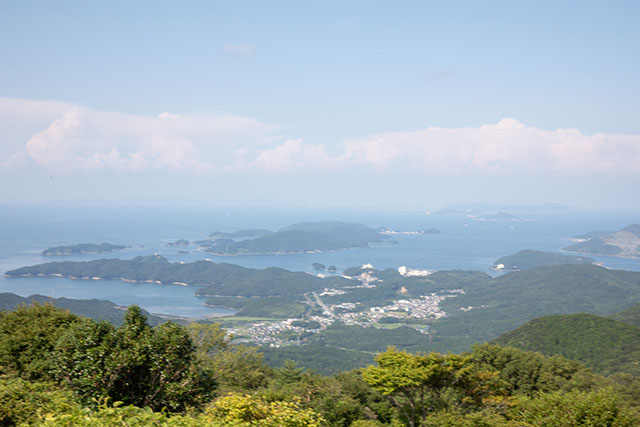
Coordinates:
465	243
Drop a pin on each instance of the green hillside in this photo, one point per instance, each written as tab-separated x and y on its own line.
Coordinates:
92	308
631	315
505	302
602	344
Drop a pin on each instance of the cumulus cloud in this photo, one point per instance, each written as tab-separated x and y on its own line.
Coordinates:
79	138
294	155
508	146
72	138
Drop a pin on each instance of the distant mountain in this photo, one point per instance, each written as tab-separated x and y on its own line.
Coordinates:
93	308
296	238
529	258
602	344
82	248
623	243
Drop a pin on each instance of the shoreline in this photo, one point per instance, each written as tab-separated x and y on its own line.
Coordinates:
315	251
120	279
603	255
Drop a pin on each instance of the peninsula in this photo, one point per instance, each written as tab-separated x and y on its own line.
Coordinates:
529	258
624	243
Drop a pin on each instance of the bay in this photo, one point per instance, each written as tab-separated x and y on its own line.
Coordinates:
465	243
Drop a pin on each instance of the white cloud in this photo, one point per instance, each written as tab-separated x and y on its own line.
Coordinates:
240	49
81	139
72	138
294	155
506	147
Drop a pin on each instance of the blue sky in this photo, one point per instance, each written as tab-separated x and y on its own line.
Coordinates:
343	103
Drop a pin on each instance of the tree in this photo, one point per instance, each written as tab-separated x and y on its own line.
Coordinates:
28	337
234	367
421	383
597	408
526	372
135	364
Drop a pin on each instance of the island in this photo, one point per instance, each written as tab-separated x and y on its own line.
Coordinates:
433	230
529	258
179	242
304	237
624	243
82	248
498	216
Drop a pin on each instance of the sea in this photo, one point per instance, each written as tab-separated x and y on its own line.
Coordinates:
469	239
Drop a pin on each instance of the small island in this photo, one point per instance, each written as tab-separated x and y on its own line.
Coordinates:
82	248
433	230
179	242
528	258
624	243
498	216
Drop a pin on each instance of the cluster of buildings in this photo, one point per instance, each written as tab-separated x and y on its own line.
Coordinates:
424	307
288	331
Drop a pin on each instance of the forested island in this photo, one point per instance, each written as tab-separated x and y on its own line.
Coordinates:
623	243
296	238
82	248
529	258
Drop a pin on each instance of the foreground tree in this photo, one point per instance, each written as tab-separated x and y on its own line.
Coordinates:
28	336
135	364
421	383
234	367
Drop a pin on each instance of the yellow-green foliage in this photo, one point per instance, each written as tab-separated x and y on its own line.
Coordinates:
419	383
597	409
255	411
235	410
24	402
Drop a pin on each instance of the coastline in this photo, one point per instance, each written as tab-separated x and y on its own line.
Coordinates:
315	251
121	279
604	255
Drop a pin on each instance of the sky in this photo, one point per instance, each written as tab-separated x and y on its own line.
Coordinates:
314	104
